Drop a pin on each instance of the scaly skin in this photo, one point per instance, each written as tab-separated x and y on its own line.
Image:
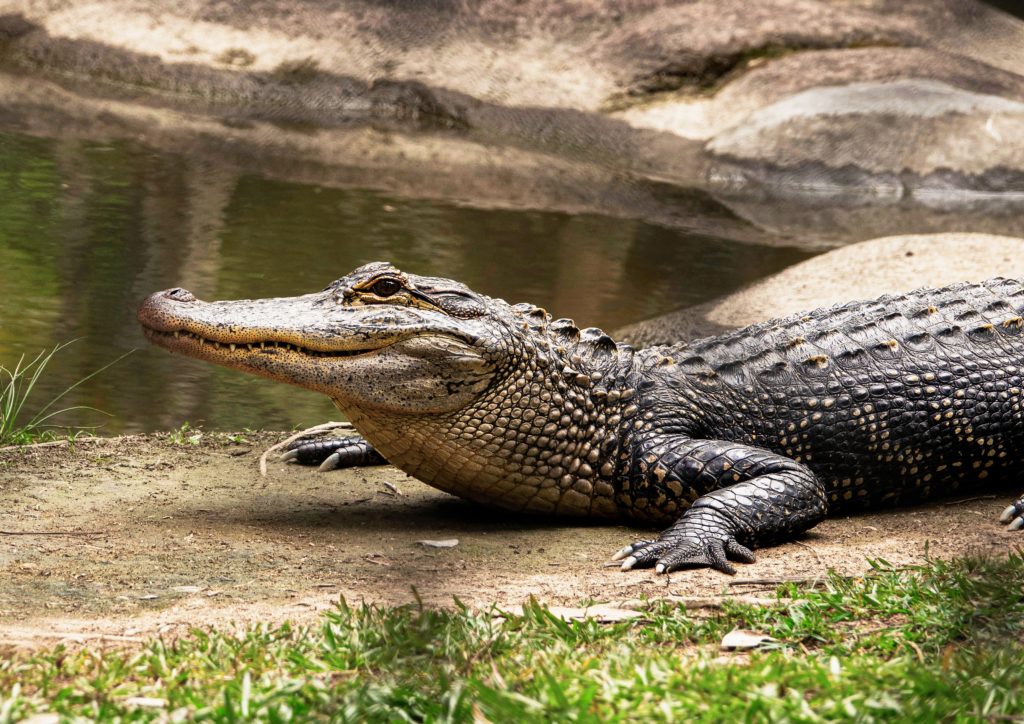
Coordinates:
736	441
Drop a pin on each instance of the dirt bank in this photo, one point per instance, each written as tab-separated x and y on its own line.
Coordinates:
132	536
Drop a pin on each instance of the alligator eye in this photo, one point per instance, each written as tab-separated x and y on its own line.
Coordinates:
386	287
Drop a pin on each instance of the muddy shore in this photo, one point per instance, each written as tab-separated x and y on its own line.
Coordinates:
122	538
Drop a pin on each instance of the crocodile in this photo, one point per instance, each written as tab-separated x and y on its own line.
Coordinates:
731	442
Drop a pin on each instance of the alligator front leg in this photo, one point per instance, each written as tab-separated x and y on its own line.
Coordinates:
335	452
1014	515
748	497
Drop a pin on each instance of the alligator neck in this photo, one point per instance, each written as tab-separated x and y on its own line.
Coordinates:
546	437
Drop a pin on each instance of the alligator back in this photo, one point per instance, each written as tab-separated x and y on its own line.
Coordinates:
891	400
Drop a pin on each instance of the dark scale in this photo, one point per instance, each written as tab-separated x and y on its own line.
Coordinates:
737	441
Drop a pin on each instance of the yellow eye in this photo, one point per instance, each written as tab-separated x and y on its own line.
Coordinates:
386	287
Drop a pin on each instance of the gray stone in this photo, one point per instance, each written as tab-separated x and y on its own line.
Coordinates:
889	138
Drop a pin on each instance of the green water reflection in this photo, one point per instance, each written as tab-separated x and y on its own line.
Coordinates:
88	229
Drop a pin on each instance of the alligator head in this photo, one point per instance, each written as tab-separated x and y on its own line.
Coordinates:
376	339
465	392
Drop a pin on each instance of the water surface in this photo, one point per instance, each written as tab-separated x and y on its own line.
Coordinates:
89	229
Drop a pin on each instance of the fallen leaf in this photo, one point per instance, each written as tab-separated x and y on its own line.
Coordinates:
599	612
45	717
446	543
743	639
146	701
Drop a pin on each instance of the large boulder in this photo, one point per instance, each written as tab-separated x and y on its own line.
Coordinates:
865	270
882	100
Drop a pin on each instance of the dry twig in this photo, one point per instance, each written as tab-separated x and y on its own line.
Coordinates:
52	532
970	500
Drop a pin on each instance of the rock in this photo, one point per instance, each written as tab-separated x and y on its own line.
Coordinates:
922	101
859	271
880	122
774	79
890	139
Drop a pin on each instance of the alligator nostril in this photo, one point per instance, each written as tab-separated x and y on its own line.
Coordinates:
179	295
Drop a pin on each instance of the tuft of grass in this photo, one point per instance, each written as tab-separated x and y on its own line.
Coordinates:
934	642
18	384
185	435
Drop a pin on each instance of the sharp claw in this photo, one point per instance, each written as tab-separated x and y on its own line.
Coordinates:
660	568
627	565
330	463
622	553
290	455
1017	524
1008	514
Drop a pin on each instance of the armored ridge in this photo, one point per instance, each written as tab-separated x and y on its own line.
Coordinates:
742	439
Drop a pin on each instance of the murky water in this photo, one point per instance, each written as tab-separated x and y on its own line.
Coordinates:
88	229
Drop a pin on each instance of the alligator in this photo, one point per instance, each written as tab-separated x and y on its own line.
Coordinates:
733	442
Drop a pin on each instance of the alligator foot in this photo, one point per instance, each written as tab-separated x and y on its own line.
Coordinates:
755	496
333	453
696	541
1014	515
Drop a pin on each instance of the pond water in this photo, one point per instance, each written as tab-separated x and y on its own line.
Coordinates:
88	229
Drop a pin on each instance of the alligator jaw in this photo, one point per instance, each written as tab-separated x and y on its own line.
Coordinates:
284	339
213	350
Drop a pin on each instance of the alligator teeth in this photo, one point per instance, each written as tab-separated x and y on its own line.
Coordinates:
268	344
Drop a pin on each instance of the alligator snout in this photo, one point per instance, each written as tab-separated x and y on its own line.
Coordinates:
159	311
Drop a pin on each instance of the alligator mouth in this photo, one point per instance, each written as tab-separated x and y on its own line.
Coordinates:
184	340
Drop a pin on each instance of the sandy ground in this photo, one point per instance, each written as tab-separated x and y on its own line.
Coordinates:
119	539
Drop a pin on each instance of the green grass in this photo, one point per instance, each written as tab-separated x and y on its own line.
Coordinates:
189	434
185	435
16	386
941	641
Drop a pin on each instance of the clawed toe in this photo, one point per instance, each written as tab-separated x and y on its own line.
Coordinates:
666	555
642	554
630	549
331	463
739	552
333	453
311	452
1013	516
710	554
622	553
